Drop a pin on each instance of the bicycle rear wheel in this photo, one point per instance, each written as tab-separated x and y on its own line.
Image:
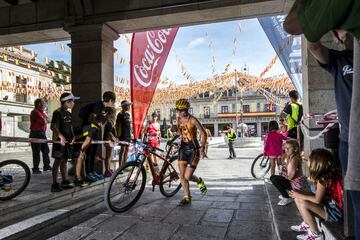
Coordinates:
14	178
260	166
125	187
170	179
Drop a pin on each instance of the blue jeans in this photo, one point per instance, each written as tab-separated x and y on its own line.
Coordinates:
355	195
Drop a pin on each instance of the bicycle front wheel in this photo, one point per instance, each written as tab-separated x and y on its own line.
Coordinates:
14	178
260	166
125	187
170	179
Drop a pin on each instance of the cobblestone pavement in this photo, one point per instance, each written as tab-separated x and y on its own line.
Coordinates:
235	207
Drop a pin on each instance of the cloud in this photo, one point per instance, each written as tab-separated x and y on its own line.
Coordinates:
196	42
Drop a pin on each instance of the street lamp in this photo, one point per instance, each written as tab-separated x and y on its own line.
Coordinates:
236	108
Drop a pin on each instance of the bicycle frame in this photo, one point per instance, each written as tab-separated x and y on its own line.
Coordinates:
145	154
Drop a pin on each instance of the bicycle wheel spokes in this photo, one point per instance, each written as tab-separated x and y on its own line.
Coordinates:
125	187
14	177
260	166
170	179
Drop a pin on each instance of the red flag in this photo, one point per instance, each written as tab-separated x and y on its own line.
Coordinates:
149	51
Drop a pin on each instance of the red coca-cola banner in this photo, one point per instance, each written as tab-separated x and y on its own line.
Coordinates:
149	51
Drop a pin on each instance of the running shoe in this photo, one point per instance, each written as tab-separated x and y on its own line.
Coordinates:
80	183
280	197
285	201
67	185
309	235
56	187
303	227
107	173
185	201
91	178
201	185
97	176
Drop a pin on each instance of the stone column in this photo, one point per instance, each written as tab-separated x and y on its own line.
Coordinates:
216	129
92	60
319	97
258	128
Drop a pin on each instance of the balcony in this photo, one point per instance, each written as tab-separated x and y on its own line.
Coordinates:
247	114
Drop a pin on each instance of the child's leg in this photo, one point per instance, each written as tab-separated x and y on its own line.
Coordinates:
78	165
108	157
272	166
63	169
55	170
308	211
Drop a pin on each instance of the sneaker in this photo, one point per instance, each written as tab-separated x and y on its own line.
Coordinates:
80	183
97	176
230	157
56	187
185	201
67	185
47	168
280	197
309	235
91	178
303	227
285	201
201	185
107	173
36	171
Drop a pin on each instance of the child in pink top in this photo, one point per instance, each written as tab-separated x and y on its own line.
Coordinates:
273	145
293	178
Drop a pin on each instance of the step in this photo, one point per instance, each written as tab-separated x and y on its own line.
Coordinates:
39	222
37	202
285	216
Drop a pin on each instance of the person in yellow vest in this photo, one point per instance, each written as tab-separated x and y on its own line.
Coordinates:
231	136
293	112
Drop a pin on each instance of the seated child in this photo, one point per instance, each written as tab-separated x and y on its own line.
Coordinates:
293	177
327	202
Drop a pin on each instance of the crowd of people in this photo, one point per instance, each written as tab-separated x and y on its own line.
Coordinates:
99	122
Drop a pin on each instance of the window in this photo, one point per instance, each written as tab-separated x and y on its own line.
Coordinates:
246	108
258	107
224	109
206	112
267	108
206	94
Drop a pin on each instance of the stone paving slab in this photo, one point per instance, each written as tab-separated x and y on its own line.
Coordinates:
199	232
146	230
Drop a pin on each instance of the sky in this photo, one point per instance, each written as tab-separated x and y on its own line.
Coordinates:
192	47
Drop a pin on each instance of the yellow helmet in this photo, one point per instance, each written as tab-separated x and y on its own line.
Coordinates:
182	104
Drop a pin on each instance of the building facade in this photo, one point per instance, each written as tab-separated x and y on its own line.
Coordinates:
22	80
249	111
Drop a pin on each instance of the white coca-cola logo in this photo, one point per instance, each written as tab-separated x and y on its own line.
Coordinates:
155	46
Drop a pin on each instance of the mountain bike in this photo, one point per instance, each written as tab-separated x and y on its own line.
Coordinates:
14	178
128	182
260	166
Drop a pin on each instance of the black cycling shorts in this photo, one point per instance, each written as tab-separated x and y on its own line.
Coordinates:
190	154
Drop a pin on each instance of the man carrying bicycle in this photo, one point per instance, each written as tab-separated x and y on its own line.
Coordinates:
190	150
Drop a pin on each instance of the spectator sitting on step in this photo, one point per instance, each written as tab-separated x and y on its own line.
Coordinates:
292	176
327	202
273	146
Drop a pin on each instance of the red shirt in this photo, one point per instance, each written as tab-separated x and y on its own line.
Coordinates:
36	117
